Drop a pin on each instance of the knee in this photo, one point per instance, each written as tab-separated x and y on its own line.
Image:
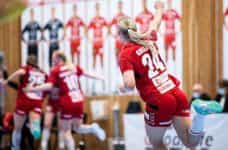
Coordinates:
17	128
47	125
191	142
158	144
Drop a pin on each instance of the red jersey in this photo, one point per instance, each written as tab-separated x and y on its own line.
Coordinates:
75	23
144	19
97	24
169	17
68	83
151	75
33	77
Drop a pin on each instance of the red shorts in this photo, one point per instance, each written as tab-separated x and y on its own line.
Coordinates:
24	105
97	44
69	109
74	45
163	108
169	41
54	106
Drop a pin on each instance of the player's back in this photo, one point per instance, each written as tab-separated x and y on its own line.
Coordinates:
33	77
67	80
150	71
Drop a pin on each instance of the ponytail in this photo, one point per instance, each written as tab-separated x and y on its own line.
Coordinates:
128	29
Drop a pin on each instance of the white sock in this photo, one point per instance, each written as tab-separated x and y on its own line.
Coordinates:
45	138
69	143
84	129
61	139
197	124
16	140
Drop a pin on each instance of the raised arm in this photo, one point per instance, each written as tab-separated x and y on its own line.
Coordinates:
155	24
90	75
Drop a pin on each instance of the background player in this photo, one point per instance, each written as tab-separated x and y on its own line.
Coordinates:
226	19
53	108
169	17
66	78
28	103
54	27
118	42
75	23
144	18
97	24
143	67
33	29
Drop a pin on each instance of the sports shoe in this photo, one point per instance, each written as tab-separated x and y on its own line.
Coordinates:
206	107
98	131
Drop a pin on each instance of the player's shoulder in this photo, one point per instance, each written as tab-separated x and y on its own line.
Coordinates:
129	49
55	68
25	67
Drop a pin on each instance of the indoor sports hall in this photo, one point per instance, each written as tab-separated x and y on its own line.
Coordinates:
113	74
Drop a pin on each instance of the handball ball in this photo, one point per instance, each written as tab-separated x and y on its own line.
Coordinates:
10	9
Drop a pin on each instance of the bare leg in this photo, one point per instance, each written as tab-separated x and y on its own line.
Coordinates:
65	127
60	134
19	121
155	135
48	118
174	53
94	59
102	59
183	126
166	55
78	58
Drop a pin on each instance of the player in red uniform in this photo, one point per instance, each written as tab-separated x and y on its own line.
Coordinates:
169	17
53	108
144	18
66	78
166	104
118	43
226	18
97	24
75	23
28	103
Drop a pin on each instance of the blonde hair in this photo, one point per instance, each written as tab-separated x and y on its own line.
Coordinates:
126	24
63	57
